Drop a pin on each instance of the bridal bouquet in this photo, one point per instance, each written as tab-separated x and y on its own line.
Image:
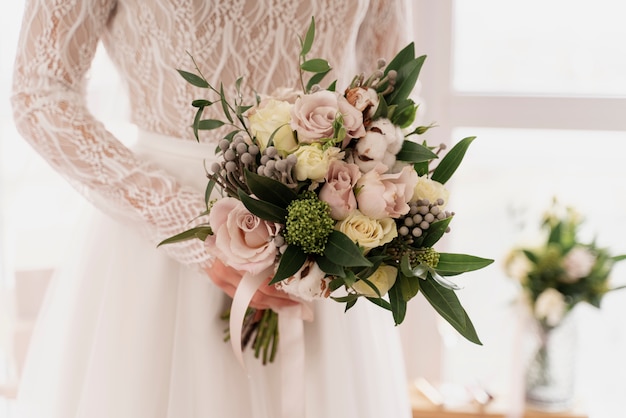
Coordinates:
564	270
324	191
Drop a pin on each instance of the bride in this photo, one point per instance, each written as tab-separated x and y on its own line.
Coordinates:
128	330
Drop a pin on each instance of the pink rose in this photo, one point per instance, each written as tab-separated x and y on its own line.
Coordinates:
337	191
240	239
313	115
385	195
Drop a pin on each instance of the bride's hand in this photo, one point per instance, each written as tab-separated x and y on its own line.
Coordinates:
266	297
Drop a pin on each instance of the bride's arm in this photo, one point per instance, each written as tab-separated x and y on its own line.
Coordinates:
56	48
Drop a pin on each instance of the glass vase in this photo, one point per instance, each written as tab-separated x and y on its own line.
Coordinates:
551	372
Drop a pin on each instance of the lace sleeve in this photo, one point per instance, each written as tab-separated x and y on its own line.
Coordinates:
384	31
56	47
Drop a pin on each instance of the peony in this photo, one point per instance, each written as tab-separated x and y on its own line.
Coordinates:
386	195
309	283
383	278
240	239
577	264
313	116
380	144
367	232
313	162
550	307
337	191
273	116
431	190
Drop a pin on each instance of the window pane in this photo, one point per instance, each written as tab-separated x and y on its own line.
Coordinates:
540	47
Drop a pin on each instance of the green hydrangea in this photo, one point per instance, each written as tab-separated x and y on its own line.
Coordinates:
309	223
427	256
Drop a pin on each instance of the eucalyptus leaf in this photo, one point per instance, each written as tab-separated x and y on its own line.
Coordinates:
194	79
263	210
209	124
308	38
448	306
316	79
201	103
342	251
207	192
350	304
451	264
196	122
315	65
450	162
290	262
269	190
348	298
187	235
617	258
225	104
380	302
413	152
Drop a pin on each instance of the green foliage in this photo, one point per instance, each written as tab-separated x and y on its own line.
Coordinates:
451	161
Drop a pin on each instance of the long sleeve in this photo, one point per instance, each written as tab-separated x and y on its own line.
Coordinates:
56	47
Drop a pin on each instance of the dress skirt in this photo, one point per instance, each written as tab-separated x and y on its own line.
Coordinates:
128	332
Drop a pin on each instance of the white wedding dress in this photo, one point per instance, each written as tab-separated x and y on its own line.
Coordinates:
131	331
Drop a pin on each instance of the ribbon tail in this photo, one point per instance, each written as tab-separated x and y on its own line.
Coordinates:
243	295
291	329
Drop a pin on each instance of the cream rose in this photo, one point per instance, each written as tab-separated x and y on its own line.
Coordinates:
367	232
385	195
273	116
550	307
313	162
431	190
383	278
240	239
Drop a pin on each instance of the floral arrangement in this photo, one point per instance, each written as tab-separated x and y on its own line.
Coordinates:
325	192
564	271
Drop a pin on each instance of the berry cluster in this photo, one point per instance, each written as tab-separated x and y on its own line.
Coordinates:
421	215
229	173
274	166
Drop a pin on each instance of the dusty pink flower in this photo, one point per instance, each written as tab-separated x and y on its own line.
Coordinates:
240	239
337	191
577	264
313	115
385	195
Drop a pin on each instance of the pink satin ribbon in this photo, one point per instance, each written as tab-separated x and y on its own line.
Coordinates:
291	343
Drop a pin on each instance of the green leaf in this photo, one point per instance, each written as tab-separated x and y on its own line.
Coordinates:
435	232
342	251
196	232
451	161
290	262
397	303
332	86
308	38
238	84
382	109
409	286
380	302
316	79
263	210
269	190
196	122
335	284
329	267
243	109
209	124
448	306
617	258
531	256
207	192
407	54
225	104
452	264
315	65
201	103
413	152
405	82
350	278
194	79
404	114
348	298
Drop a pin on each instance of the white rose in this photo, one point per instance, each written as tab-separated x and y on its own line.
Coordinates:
431	190
577	264
269	116
367	232
383	278
550	307
313	162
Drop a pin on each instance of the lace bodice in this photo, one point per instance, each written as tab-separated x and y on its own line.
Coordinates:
148	41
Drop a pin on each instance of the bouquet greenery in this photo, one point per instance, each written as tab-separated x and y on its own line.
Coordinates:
564	271
327	193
